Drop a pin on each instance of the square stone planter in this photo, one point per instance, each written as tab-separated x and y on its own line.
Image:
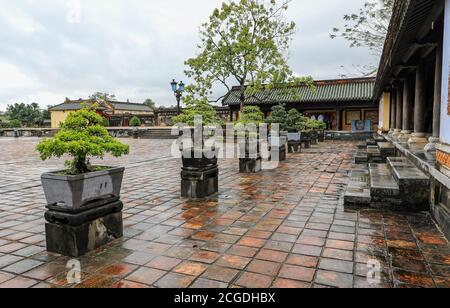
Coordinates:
84	211
74	192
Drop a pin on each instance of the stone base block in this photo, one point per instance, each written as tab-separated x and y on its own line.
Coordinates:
75	241
250	165
281	154
199	184
294	147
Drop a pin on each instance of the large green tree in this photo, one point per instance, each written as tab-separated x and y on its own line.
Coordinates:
245	43
150	103
26	114
101	96
367	28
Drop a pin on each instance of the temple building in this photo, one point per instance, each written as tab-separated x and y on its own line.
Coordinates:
412	88
116	113
338	102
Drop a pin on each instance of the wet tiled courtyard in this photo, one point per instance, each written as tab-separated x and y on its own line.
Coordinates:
282	228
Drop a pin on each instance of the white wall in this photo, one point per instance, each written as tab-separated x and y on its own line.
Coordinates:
445	118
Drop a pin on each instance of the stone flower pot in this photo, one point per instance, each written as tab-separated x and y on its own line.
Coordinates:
73	193
321	135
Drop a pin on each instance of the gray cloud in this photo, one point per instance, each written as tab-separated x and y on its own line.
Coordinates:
134	48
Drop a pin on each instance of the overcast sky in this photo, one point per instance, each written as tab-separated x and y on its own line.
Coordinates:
133	48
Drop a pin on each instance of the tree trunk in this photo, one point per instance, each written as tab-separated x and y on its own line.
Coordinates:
242	97
80	165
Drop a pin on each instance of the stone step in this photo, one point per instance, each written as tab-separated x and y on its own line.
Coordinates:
371	142
387	149
361	157
358	189
413	183
374	154
382	183
362	145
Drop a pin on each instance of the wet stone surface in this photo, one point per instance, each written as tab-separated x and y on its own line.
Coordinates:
282	228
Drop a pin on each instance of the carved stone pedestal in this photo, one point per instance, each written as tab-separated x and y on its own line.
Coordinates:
250	165
199	183
76	233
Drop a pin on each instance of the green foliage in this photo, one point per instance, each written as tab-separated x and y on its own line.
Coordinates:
293	119
198	107
101	97
14	124
309	124
367	28
27	115
150	103
81	136
251	115
278	116
135	122
244	42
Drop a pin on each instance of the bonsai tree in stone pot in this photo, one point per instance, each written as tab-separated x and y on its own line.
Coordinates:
83	198
199	120
294	136
247	133
278	116
135	122
305	130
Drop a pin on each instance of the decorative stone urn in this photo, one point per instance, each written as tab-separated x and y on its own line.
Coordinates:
84	211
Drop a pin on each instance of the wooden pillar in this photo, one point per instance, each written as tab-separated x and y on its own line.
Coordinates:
399	109
407	111
393	99
339	118
434	139
419	107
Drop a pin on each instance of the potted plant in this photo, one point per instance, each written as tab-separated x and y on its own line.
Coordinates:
199	176
294	136
278	116
250	160
305	130
81	136
135	122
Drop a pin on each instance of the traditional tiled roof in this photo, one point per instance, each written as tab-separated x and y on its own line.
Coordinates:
341	90
70	105
406	30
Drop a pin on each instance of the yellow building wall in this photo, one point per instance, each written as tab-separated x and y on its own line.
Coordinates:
385	112
58	117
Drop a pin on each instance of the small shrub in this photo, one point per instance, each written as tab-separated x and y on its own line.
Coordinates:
135	122
81	136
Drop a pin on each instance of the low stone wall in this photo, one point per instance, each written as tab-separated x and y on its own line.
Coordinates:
119	132
346	135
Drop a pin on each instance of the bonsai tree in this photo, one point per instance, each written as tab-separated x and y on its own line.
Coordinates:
81	136
293	119
135	122
278	116
198	107
251	115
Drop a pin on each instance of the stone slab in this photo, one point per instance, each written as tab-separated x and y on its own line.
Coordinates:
382	183
358	189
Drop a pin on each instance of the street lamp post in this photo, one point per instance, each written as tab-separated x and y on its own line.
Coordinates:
178	89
